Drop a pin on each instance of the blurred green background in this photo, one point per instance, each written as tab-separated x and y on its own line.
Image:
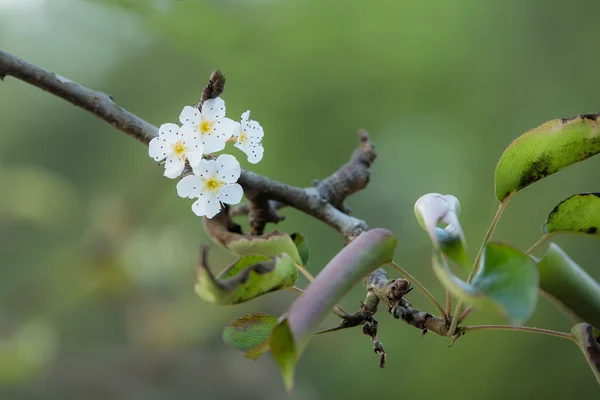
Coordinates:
98	254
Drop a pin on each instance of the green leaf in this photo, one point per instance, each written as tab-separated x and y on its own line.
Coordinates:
249	277
224	232
588	339
302	246
250	332
545	150
269	245
367	252
569	286
579	213
506	282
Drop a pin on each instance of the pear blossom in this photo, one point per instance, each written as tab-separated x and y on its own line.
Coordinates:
175	146
249	138
210	124
214	182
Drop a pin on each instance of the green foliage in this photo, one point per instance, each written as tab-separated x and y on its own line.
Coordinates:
506	282
545	150
588	339
269	245
360	257
579	213
302	246
247	278
250	332
569	285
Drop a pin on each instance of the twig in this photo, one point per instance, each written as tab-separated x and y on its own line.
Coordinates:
540	242
530	329
420	287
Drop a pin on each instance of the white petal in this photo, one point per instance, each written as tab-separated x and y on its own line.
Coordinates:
194	157
199	206
213	205
212	144
205	168
231	194
173	167
254	130
228	168
168	131
189	186
224	128
245	117
159	149
255	153
213	109
189	116
190	135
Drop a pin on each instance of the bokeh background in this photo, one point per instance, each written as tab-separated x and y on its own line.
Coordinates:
98	254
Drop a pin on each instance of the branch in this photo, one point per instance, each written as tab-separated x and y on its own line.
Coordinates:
324	202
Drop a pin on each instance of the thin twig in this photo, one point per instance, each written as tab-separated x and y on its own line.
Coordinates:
448	303
562	335
465	313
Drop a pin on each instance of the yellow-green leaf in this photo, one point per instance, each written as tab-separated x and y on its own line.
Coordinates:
249	277
545	150
250	333
579	214
588	339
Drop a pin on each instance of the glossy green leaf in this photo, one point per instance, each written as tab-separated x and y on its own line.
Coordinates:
579	213
588	339
569	286
356	260
302	246
545	150
250	331
249	277
506	282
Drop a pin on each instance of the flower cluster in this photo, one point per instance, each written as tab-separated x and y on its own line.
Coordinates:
204	131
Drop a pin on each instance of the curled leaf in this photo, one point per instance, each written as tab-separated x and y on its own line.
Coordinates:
506	282
434	209
579	214
545	150
588	339
222	231
302	246
569	285
360	257
248	277
250	333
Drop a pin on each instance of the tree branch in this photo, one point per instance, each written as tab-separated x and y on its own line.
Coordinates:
322	202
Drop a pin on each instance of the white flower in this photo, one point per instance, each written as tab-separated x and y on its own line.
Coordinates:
213	183
212	126
177	146
248	137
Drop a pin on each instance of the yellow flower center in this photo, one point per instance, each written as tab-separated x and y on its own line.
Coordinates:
213	184
243	137
205	126
179	149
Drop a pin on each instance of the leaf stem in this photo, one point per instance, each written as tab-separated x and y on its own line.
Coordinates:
540	242
420	287
459	307
549	332
305	272
465	313
488	236
448	303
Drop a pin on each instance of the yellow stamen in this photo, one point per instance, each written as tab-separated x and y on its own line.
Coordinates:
213	184
178	149
205	126
243	137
